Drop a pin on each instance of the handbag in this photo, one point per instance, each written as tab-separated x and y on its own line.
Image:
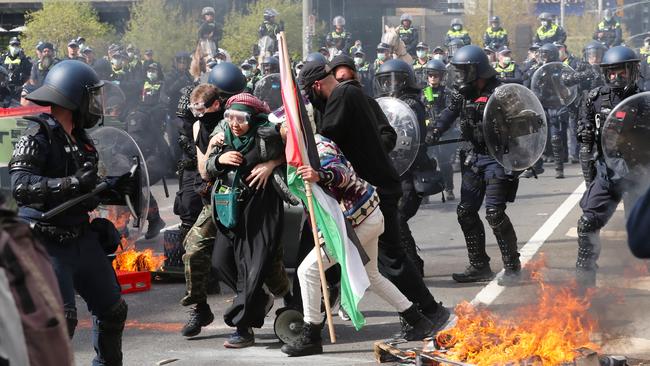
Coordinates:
225	202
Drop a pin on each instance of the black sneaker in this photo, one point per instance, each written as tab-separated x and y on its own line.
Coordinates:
243	337
309	343
510	277
200	316
559	174
420	326
154	228
474	274
438	318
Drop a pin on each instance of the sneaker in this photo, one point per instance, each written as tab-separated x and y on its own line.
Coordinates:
474	274
449	195
343	314
510	277
559	174
420	326
243	337
200	316
154	228
438	318
309	343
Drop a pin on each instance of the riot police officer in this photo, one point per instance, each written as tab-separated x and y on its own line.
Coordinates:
495	36
456	31
56	161
18	67
395	78
507	70
435	97
620	67
609	31
270	65
269	27
339	38
482	177
407	33
548	31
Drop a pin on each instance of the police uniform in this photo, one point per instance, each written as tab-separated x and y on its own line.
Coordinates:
612	34
19	68
410	38
47	169
462	34
341	41
552	34
510	74
495	38
270	29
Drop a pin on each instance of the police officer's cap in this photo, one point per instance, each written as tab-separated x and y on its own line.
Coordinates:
559	44
207	10
495	19
14	41
153	65
316	56
438	49
148	52
246	66
227	77
619	55
383	47
73	43
504	50
342	60
65	85
359	53
534	47
252	61
474	55
422	46
87	49
81	39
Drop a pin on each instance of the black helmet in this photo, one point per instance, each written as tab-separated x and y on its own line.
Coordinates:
470	64
342	60
617	58
316	56
595	49
270	65
270	13
14	41
549	53
495	19
75	86
608	15
435	65
454	45
227	77
394	78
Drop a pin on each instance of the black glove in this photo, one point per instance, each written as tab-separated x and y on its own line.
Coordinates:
123	184
586	134
87	177
432	136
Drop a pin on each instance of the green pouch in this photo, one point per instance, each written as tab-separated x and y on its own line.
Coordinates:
225	203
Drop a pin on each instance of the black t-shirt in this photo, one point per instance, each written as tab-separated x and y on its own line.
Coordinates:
350	122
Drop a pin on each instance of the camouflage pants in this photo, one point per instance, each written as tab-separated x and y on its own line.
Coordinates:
197	259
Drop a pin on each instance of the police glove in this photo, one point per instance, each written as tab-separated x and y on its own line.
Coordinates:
124	184
432	136
586	134
87	177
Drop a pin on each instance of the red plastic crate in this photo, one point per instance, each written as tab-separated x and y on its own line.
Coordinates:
134	281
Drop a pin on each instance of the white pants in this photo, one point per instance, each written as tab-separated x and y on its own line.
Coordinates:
368	233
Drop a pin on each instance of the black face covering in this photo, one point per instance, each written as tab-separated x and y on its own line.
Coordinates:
316	101
208	122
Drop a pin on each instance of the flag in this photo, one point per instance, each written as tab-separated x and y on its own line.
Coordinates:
301	150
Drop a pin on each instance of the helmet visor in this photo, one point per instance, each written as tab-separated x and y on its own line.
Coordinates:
96	100
619	76
390	83
464	74
594	55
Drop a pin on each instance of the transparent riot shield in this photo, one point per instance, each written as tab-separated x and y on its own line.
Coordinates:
402	118
554	85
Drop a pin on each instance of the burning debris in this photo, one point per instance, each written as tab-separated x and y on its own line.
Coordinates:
128	259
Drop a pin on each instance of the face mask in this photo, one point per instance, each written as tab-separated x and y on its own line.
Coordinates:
437	56
316	101
14	50
153	76
507	60
247	73
358	60
381	56
544	23
421	54
117	63
457	27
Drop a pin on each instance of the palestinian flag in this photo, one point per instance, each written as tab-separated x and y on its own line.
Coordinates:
301	150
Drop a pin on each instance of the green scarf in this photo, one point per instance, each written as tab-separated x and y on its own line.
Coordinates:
245	142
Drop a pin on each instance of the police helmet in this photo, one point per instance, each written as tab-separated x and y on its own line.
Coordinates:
269	60
608	15
394	78
406	16
73	85
382	47
422	46
435	65
454	45
270	65
545	16
338	21
470	64
14	41
549	53
617	58
270	13
456	21
596	50
315	56
495	19
208	10
227	77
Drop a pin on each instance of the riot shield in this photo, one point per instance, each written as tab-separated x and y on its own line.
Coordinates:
625	136
118	153
268	90
554	85
514	127
114	102
402	118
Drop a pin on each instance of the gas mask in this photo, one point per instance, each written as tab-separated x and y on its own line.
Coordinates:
421	53
358	61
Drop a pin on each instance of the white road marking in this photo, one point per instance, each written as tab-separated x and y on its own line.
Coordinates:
492	290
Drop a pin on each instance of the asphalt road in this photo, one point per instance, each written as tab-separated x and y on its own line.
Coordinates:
544	216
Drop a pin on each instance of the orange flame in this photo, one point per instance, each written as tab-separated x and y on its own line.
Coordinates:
549	332
137	261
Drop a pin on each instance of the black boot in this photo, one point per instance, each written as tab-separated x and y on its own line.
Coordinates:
200	316
410	248
556	142
474	274
156	224
588	252
309	343
415	326
507	241
479	263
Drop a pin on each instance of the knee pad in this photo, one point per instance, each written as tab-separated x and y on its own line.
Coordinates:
467	216
71	320
588	225
556	139
495	216
114	318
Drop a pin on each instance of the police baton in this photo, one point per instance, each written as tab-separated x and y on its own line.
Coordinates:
73	202
445	142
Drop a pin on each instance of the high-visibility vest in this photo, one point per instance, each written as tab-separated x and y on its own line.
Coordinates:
500	33
509	68
547	33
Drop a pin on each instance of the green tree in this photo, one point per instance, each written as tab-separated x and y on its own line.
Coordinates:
240	30
60	21
161	27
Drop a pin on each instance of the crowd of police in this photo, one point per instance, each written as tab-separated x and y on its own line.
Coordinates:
206	122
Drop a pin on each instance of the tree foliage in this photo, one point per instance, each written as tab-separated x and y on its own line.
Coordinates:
161	27
60	21
240	32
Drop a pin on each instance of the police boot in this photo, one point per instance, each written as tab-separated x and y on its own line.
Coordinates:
309	343
156	224
411	250
200	316
556	142
415	326
588	252
479	263
507	241
107	334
